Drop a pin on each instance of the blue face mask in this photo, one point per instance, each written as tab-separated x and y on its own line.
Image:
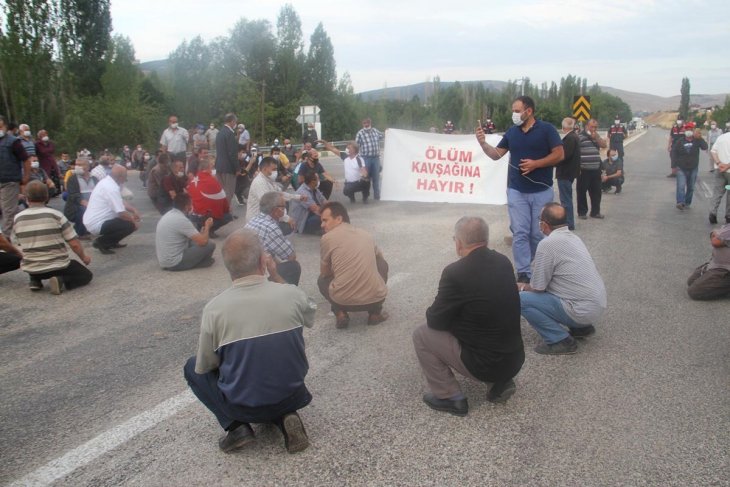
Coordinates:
614	158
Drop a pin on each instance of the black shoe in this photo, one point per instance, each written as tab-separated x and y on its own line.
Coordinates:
457	408
671	175
713	219
117	246
583	331
680	206
35	284
618	190
237	438
523	278
566	346
103	250
583	217
599	216
295	436
352	199
727	219
500	392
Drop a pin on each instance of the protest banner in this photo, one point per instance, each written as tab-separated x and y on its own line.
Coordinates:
427	167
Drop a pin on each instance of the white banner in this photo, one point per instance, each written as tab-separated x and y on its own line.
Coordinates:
421	166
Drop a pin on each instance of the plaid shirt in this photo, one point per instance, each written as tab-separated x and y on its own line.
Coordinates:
271	236
369	141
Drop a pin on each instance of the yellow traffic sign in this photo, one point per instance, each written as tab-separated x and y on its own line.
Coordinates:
582	108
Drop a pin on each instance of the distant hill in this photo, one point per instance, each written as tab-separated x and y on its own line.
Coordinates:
639	102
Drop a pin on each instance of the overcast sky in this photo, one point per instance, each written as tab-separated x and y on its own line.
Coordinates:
637	45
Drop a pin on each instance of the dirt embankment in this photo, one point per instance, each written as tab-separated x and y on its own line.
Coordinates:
662	119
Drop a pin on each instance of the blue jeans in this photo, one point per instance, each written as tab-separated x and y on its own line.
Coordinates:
524	217
373	165
686	185
565	188
546	315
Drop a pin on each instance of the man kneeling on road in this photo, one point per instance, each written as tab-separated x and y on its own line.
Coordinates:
353	272
251	364
473	325
565	290
178	243
712	280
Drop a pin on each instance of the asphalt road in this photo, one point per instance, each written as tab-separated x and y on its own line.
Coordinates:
93	393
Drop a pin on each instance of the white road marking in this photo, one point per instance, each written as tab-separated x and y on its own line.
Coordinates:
105	442
706	191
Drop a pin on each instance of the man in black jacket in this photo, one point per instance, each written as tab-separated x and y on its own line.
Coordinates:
567	170
226	156
473	325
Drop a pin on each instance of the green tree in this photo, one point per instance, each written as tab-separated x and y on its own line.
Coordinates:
684	99
320	67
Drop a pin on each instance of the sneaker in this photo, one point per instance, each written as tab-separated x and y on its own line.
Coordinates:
713	219
56	285
237	438
376	319
35	284
500	392
523	278
582	331
680	206
459	407
295	436
566	346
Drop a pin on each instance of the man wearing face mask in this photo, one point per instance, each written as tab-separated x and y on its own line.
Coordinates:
138	157
616	135
476	337
80	185
368	140
674	135
211	135
244	138
174	140
686	152
288	151
38	174
226	156
27	139
14	172
534	147
589	179
712	136
174	183
566	293
265	182
179	245
612	169
720	154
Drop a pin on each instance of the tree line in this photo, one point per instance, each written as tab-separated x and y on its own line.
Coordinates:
61	69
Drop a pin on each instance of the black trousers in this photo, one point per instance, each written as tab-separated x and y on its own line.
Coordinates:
114	230
355	187
590	181
704	284
326	188
73	276
8	262
290	271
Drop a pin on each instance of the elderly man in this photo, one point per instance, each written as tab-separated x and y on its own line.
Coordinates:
686	152
566	294
208	198
14	172
174	140
266	225
80	185
244	138
108	215
712	135
103	168
534	147
720	154
264	182
226	156
478	337
712	280
307	212
251	365
368	140
179	245
589	180
211	135
43	234
353	271
568	169
311	164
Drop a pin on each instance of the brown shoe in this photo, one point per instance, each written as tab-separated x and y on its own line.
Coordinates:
376	319
343	320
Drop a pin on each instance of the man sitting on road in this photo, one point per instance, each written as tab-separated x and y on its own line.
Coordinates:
79	186
266	226
356	173
251	363
473	325
565	294
612	169
311	164
178	243
108	215
353	272
306	213
43	234
265	182
712	280
208	198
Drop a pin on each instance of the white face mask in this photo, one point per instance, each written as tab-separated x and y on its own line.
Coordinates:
26	133
79	170
45	139
180	174
614	158
688	133
274	175
35	165
617	122
146	158
517	119
2	133
680	123
713	126
276	156
173	125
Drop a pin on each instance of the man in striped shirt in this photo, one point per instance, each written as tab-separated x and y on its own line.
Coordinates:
43	234
590	171
565	294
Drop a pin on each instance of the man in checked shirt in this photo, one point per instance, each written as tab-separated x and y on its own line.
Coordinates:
368	139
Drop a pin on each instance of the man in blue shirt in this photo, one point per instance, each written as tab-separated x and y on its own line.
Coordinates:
535	147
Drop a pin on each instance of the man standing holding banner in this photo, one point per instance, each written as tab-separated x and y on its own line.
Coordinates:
368	140
535	147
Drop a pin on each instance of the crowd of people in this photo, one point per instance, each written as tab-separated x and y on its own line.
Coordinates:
251	367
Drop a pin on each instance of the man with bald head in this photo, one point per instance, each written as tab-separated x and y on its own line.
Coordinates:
108	215
251	365
565	294
473	325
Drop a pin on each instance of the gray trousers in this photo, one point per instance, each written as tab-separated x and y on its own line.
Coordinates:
721	179
193	256
438	353
8	205
706	284
228	181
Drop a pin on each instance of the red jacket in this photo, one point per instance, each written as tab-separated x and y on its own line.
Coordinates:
207	195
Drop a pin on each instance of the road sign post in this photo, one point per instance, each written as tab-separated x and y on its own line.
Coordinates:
582	108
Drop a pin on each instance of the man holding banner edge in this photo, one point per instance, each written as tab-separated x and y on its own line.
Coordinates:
535	147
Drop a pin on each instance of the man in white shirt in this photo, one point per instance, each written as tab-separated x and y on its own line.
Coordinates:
174	140
265	182
108	215
720	155
244	138
356	172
